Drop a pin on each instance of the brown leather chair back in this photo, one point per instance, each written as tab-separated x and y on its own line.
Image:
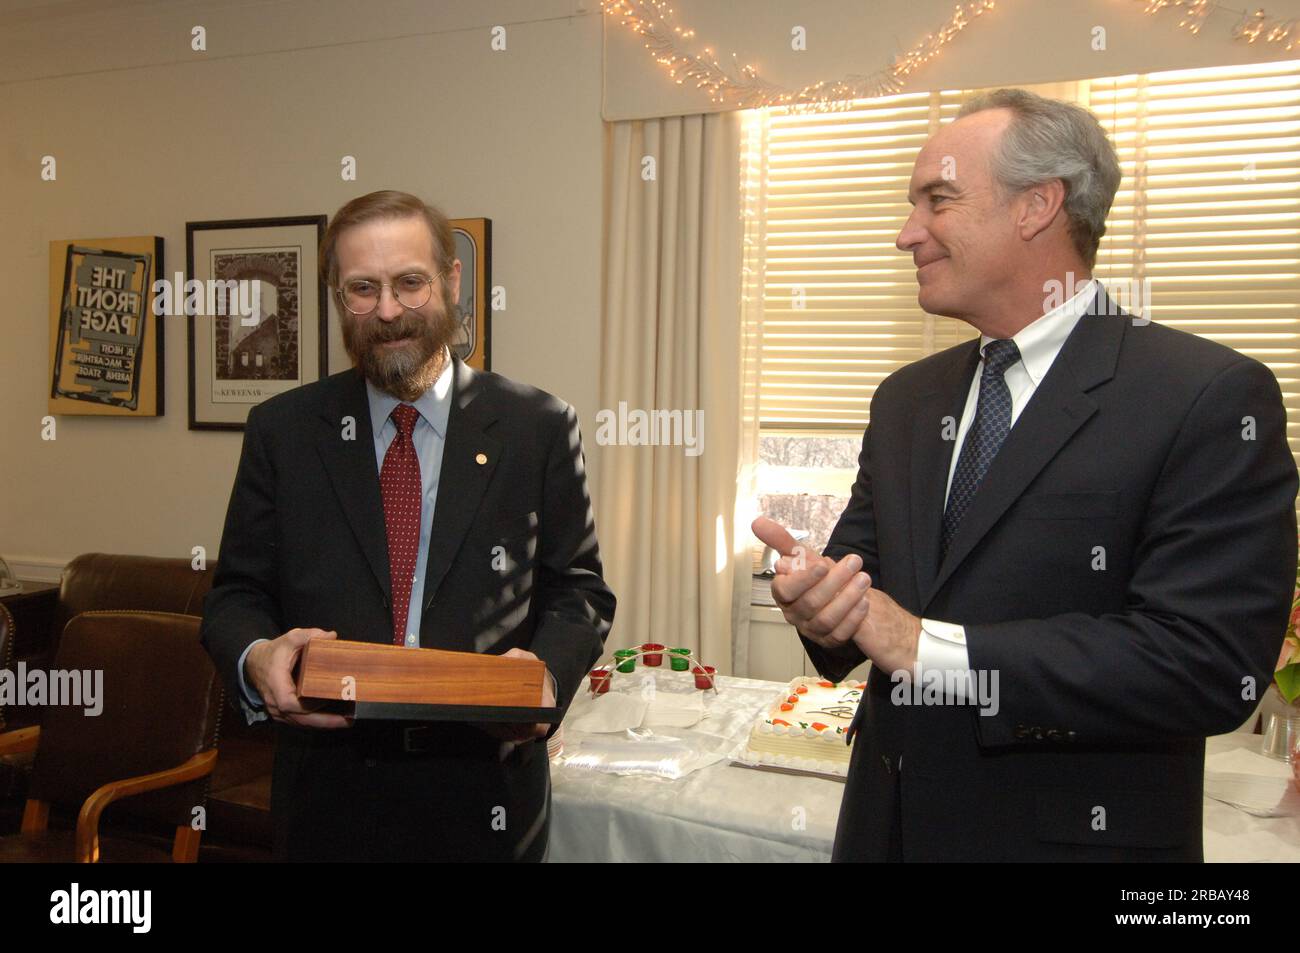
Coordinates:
161	703
6	650
100	581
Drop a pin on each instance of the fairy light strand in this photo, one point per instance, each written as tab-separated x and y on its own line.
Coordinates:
740	84
1251	26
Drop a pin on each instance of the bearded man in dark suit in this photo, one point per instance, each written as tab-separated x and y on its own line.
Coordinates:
416	501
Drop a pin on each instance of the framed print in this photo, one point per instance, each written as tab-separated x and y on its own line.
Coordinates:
473	338
258	314
106	340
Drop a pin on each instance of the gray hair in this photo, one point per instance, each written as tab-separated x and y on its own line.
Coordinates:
1049	139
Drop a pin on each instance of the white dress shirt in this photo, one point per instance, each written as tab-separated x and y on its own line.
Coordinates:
942	645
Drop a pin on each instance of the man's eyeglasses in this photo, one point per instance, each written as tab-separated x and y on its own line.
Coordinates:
361	295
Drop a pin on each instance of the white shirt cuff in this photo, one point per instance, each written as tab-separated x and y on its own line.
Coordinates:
942	648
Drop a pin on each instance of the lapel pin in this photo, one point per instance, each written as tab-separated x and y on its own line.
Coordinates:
481	459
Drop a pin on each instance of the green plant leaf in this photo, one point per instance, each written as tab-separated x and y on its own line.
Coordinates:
1288	682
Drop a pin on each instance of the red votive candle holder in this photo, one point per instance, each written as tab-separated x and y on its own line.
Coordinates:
600	679
704	676
653	659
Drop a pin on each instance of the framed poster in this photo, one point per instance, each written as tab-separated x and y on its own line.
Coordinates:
106	340
473	338
258	314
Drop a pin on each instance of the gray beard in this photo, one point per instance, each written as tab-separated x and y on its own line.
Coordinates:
408	371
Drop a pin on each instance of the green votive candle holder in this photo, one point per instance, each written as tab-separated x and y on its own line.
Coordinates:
679	659
626	660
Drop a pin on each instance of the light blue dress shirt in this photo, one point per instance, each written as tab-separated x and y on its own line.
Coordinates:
429	437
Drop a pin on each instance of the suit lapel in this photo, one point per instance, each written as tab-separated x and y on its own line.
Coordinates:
351	468
1058	408
464	478
932	456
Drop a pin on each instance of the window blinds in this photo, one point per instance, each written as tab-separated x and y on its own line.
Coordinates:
1206	223
1207	219
839	300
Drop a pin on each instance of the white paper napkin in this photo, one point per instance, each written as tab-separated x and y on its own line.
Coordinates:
1252	782
673	710
613	711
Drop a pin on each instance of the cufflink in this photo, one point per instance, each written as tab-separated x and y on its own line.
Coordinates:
947	631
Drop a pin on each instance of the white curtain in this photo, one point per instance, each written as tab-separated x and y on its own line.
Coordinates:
753	176
672	342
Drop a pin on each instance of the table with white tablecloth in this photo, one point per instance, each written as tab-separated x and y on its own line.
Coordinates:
725	812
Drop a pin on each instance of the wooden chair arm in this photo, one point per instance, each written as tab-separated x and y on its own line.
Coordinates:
87	848
20	740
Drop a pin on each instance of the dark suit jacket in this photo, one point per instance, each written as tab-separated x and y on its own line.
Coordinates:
1133	449
304	546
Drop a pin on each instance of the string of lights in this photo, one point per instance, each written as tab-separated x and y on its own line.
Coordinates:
739	84
728	80
1251	26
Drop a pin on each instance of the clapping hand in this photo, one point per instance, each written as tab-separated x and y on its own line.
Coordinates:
832	603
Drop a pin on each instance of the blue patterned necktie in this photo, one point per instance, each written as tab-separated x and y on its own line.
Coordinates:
985	436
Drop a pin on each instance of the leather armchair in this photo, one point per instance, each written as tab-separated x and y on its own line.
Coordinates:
151	746
239	802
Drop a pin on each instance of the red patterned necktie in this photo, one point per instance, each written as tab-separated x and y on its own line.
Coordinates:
399	481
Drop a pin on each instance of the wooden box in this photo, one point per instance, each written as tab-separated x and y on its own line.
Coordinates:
395	682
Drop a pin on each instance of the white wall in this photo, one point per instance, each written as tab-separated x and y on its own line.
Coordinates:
149	134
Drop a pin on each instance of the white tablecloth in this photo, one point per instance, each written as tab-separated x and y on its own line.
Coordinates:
729	813
1232	834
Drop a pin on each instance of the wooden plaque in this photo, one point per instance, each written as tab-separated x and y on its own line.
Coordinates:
369	673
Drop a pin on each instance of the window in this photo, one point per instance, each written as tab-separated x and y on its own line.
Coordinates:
1207	218
1205	232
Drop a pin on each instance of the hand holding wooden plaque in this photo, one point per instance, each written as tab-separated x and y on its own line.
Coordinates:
395	682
